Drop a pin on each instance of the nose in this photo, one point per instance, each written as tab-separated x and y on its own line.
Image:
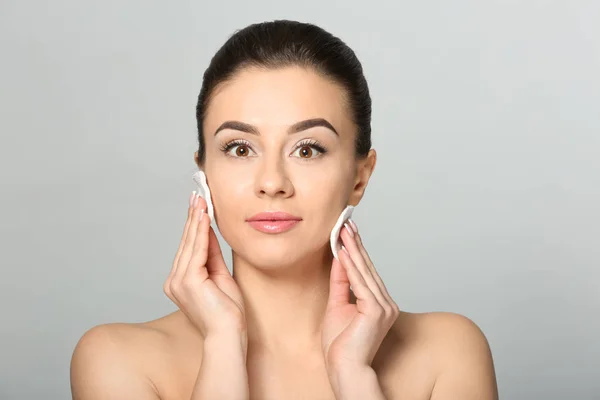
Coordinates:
272	179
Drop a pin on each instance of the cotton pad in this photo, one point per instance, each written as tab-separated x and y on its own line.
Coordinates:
204	192
336	244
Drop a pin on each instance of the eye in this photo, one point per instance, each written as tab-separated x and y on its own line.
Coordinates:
241	149
309	149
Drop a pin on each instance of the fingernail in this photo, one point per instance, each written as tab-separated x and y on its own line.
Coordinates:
192	196
346	250
196	199
349	229
201	214
353	225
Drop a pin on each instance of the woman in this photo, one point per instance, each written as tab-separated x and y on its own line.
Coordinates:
284	140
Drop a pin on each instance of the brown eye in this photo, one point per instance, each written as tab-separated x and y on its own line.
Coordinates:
237	149
309	150
241	151
306	152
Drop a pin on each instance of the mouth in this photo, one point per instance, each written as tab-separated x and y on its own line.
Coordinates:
273	222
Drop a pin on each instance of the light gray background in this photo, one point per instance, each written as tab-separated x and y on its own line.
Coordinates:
485	200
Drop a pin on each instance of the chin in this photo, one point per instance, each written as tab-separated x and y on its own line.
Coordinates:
269	254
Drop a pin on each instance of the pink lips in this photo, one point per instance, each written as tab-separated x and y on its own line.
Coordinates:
273	222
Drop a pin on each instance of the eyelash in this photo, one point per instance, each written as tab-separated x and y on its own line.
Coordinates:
305	143
229	145
312	143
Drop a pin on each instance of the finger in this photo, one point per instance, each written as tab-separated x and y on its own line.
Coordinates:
215	264
188	248
192	202
370	263
339	285
197	265
167	284
352	247
365	299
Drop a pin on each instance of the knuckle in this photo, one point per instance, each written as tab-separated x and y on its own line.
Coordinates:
377	311
388	311
175	286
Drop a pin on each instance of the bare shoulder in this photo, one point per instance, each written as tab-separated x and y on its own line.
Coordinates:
444	331
116	360
458	355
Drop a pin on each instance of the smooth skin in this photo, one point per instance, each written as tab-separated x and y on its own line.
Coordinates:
285	325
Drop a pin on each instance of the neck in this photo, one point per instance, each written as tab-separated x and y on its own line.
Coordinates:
285	306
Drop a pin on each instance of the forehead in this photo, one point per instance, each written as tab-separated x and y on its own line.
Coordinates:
278	97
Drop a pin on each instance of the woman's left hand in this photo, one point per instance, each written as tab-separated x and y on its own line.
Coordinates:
352	333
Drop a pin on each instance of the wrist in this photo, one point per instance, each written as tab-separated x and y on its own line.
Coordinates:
223	373
226	343
356	382
226	337
348	372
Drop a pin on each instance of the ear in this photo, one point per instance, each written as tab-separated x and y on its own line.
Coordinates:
197	161
365	168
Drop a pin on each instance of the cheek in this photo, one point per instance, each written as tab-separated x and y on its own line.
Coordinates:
325	184
317	190
228	189
322	197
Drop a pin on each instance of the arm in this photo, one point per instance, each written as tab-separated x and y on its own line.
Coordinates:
467	369
204	290
223	372
101	369
359	384
353	332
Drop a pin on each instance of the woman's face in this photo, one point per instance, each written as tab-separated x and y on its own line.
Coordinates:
280	141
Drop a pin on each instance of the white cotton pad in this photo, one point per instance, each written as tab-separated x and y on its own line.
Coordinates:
204	192
336	244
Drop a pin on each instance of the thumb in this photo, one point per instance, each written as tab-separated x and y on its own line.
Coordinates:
339	285
215	264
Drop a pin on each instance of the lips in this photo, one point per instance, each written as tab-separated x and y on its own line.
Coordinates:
273	222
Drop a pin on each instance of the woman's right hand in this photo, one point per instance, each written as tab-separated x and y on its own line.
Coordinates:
200	283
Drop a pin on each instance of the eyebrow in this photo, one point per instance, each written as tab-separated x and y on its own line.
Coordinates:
297	127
